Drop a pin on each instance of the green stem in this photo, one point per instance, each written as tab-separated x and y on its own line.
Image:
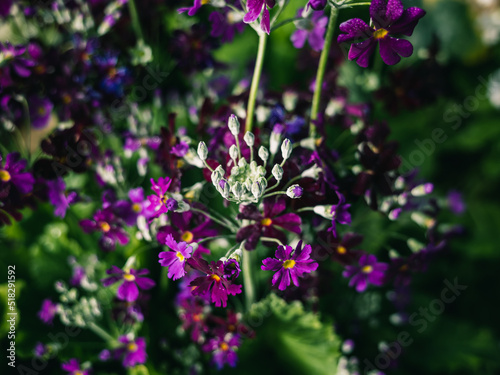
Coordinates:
231	228
247	278
135	19
270	239
286	22
274	193
320	75
101	333
216	237
255	81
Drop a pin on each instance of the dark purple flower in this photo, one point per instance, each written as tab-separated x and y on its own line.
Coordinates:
59	198
140	205
232	269
175	260
317	4
12	57
133	351
290	266
40	111
188	228
223	350
214	282
48	311
40	350
340	214
255	8
5	7
191	11
73	367
312	30
11	174
180	149
131	279
225	24
368	271
109	225
455	202
159	201
266	224
389	18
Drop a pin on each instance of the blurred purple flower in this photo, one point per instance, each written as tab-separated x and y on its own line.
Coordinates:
131	280
313	30
175	259
48	311
255	8
58	197
368	271
223	349
73	367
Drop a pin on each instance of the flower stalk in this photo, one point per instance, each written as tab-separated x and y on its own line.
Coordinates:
255	81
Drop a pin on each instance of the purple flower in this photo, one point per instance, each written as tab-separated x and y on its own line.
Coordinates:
191	11
184	229
455	202
58	197
214	282
340	214
225	24
40	350
389	18
132	279
11	174
140	205
368	271
290	266
133	351
48	311
12	56
312	30
159	201
109	225
40	111
223	350
180	149
175	259
267	224
255	8
5	7
73	367
317	4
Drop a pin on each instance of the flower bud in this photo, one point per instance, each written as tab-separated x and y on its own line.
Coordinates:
249	139
224	188
317	4
277	172
324	211
233	152
286	148
242	163
237	189
263	153
294	191
216	177
421	190
202	151
275	138
257	190
234	125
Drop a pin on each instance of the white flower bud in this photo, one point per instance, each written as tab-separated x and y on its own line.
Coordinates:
286	148
234	125
257	190
202	151
263	153
294	191
249	139
216	177
277	172
233	152
237	189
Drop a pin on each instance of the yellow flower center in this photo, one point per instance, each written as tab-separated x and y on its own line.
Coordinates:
367	269
129	277
380	33
66	99
105	227
290	263
4	175
203	2
136	207
132	347
429	222
187	236
216	277
224	346
266	222
41	111
180	256
403	268
78	372
197	317
341	249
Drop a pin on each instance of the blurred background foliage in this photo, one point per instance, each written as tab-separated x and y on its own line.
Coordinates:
456	53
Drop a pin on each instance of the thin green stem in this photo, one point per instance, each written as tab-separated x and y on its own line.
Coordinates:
101	333
278	13
231	228
286	22
216	237
135	19
305	209
248	278
272	240
274	193
255	81
320	75
350	5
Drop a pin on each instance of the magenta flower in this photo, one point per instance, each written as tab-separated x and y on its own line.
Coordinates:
140	205
133	351
5	6
368	271
59	198
312	30
223	350
11	173
73	367
224	24
175	259
48	311
290	266
214	282
40	110
255	8
161	203
184	229
191	11
132	279
109	225
389	19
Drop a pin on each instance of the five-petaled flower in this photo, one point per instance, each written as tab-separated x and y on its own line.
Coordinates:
132	279
255	8
73	367
175	259
161	203
290	264
223	349
368	271
133	351
389	19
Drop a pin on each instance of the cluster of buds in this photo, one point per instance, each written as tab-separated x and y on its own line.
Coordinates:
247	182
74	310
